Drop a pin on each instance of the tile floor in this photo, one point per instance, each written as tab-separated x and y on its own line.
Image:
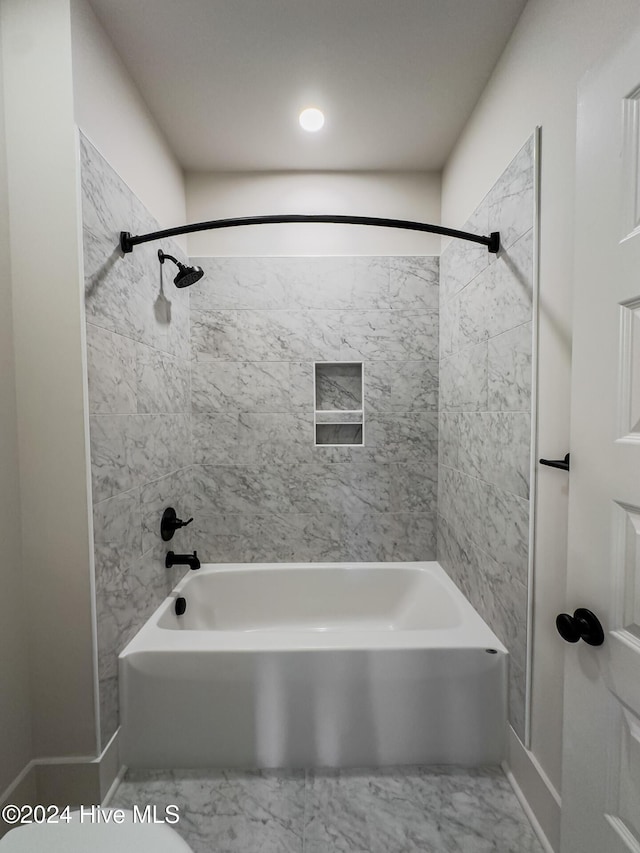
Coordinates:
382	810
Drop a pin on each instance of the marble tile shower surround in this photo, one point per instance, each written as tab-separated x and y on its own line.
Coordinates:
262	490
485	415
138	359
382	810
203	399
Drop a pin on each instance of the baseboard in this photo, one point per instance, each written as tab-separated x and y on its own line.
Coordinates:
21	792
538	797
109	766
91	781
114	786
65	781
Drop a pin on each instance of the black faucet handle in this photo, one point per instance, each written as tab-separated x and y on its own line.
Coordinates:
170	523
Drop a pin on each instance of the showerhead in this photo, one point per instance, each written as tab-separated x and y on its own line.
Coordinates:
186	275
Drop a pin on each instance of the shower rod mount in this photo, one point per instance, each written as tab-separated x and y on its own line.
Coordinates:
128	241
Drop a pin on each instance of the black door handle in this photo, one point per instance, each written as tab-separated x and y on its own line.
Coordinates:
583	625
563	464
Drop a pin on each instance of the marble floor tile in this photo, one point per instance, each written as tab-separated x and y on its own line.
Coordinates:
226	811
480	813
372	810
379	811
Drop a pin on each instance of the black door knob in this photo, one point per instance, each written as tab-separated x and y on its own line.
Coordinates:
583	625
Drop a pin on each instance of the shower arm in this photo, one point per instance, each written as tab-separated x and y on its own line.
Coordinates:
128	241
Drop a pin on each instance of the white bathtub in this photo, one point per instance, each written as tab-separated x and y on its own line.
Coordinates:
310	665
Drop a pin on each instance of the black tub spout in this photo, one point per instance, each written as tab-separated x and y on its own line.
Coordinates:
190	560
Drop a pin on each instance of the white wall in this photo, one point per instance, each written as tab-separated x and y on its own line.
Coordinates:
15	709
48	620
399	195
112	115
42	168
535	83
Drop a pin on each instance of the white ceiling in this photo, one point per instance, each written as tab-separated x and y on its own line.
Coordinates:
226	79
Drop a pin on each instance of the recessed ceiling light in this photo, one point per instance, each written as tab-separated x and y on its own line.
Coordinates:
311	119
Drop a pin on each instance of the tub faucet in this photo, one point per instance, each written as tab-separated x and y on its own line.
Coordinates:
190	560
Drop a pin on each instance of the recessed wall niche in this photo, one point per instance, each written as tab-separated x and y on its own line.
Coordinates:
338	405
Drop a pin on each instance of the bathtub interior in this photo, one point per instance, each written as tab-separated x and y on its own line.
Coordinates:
310	598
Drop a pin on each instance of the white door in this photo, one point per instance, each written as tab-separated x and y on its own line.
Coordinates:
601	770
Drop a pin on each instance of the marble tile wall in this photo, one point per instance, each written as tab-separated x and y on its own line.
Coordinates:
263	491
203	399
485	415
138	359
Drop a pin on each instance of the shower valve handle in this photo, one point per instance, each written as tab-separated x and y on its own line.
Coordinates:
170	523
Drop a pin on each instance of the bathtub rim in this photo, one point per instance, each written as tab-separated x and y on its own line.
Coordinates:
473	633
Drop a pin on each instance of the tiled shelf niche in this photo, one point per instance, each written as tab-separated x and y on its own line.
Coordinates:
338	401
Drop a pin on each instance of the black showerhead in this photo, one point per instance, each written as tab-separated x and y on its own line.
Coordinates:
186	275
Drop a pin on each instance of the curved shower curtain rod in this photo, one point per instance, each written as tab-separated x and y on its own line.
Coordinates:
128	241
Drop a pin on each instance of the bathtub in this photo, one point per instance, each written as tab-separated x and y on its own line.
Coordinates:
313	665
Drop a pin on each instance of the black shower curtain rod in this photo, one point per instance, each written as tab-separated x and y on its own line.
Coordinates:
127	241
